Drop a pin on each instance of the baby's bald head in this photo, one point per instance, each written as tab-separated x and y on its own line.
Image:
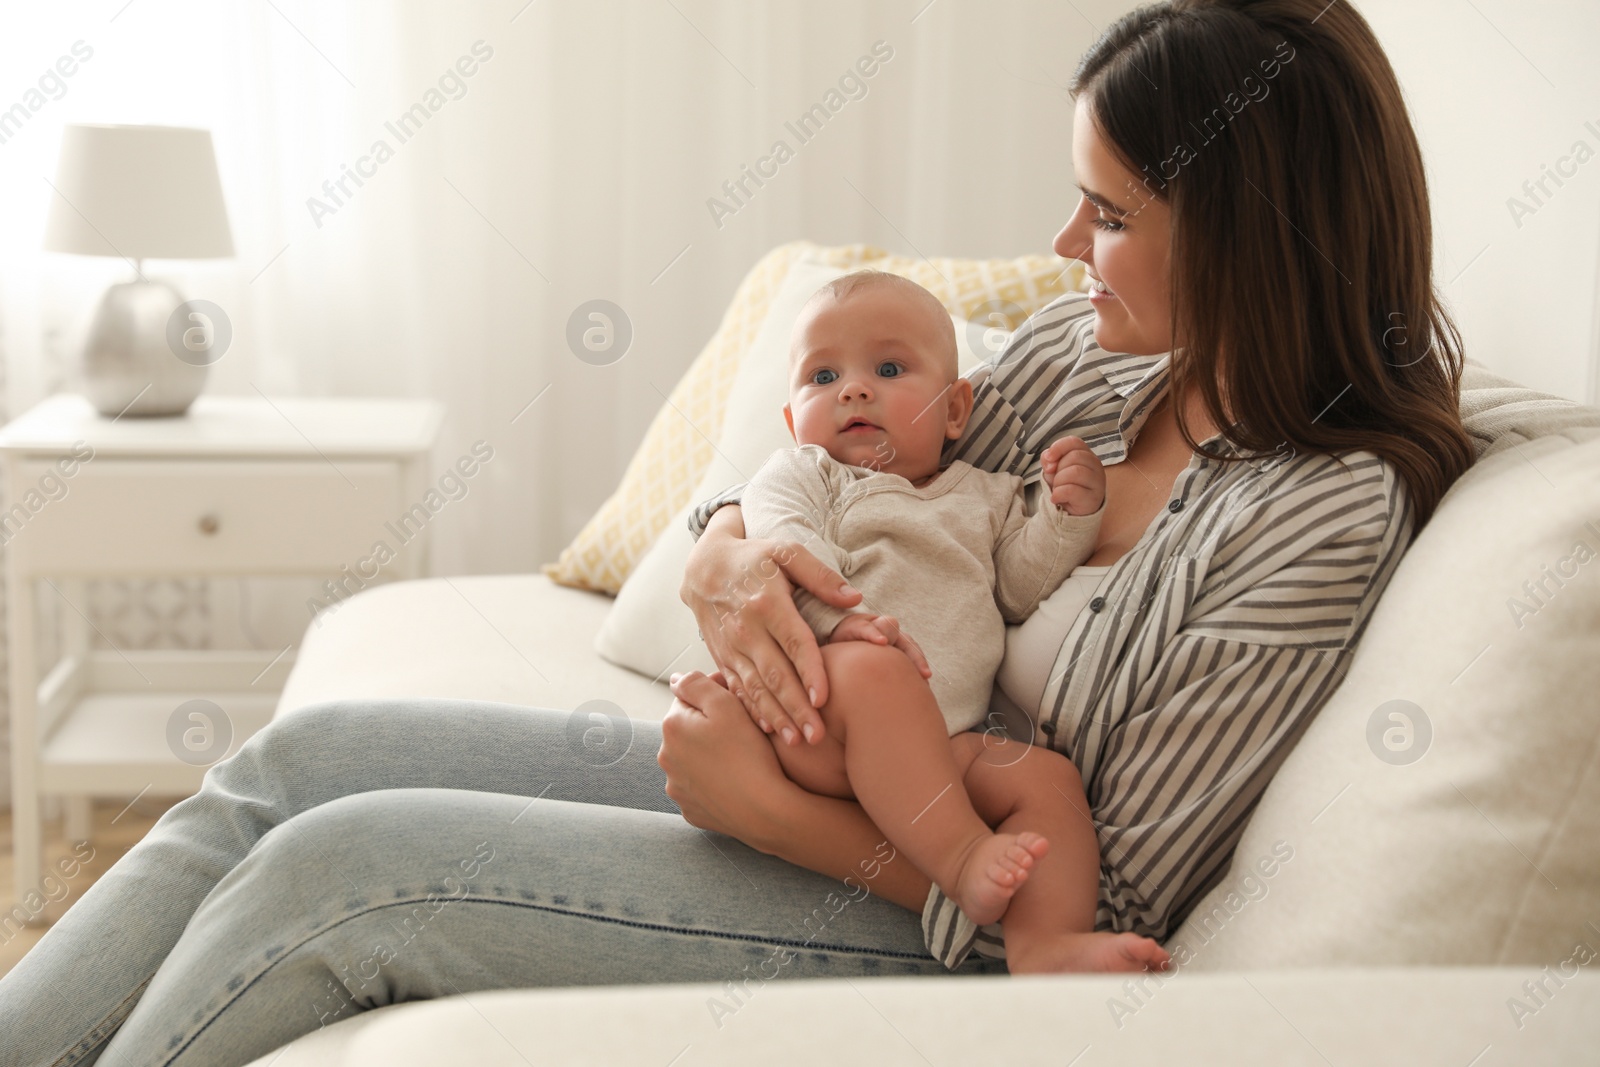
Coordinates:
929	314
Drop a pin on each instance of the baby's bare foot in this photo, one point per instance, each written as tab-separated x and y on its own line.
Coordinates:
994	871
1101	951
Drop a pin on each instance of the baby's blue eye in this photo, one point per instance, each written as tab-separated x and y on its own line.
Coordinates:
894	369
817	378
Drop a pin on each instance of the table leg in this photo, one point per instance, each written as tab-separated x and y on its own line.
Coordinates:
80	818
25	827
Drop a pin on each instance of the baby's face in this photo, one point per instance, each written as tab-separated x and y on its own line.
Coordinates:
873	380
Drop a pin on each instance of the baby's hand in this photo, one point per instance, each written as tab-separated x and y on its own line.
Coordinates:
1075	475
880	630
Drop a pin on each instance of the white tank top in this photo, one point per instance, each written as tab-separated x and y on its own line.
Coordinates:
1033	646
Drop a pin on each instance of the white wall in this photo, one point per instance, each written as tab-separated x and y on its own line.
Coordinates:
1499	91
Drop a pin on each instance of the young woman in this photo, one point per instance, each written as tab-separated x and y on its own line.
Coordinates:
1262	216
1271	382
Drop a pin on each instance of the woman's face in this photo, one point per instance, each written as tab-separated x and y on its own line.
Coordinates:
1123	234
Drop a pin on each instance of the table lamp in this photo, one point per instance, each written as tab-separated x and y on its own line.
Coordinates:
141	192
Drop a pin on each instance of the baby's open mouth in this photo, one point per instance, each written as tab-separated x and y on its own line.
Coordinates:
860	424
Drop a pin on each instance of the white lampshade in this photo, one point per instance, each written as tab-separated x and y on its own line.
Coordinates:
141	192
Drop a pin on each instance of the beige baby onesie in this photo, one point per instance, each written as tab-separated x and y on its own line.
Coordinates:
954	560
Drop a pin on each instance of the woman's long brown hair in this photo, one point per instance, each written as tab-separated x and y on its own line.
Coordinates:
1302	246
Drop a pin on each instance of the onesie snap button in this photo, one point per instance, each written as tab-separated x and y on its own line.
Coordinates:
1097	603
1175	505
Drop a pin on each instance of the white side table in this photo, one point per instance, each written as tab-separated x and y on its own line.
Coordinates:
236	486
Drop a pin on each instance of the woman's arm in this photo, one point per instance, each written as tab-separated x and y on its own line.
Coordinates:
724	776
837	838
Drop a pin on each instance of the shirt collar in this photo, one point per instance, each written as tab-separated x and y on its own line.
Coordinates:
1141	381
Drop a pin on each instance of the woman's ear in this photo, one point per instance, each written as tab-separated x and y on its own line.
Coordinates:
959	408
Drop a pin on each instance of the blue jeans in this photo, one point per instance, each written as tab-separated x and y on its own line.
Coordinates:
361	853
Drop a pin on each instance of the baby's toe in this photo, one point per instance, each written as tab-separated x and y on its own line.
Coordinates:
1017	859
1003	873
1143	950
1036	844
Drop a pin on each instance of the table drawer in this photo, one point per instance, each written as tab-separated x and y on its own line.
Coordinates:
130	516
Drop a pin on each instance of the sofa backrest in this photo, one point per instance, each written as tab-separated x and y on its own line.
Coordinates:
1444	806
1500	414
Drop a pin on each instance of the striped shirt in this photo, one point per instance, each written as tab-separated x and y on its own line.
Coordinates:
1180	690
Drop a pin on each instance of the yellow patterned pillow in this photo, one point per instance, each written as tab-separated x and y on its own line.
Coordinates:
677	448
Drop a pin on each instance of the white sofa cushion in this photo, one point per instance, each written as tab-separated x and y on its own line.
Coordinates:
514	638
1444	806
1400	1017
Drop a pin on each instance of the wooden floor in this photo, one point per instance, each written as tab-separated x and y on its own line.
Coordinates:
117	828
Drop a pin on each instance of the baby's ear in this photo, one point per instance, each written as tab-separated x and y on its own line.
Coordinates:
959	408
788	417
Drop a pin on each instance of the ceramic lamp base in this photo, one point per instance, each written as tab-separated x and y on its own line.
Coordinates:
129	364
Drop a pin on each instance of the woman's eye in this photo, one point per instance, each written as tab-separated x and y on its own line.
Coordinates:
889	369
1105	225
823	377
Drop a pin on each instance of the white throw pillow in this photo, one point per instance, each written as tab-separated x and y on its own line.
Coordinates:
1444	806
649	629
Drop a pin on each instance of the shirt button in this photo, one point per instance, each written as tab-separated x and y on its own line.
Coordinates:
1097	603
1175	505
1048	727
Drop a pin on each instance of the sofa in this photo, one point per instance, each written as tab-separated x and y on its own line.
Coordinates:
1420	883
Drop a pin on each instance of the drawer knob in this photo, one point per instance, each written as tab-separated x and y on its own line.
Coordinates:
209	524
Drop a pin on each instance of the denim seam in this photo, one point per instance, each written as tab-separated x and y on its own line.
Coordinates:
720	934
113	1021
536	907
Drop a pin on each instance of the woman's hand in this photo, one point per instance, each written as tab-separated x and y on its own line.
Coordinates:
724	775
721	771
741	593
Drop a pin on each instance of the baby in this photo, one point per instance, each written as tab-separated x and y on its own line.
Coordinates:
944	558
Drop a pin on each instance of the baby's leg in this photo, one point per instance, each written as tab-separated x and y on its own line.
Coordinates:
817	768
1050	923
902	768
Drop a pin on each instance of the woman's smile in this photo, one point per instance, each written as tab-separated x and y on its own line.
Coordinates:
1098	293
